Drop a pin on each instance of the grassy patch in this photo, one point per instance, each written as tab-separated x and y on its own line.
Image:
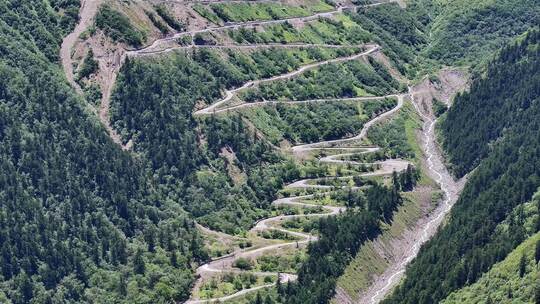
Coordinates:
359	272
206	13
321	31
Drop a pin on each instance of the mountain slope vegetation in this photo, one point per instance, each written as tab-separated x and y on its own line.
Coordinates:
80	220
503	179
515	279
463	32
83	221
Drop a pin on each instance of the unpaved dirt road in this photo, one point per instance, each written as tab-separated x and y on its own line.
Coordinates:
156	44
229	94
225	263
435	165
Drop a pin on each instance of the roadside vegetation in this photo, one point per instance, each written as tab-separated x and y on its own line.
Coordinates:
353	78
231	283
243	12
314	122
118	27
171	20
397	137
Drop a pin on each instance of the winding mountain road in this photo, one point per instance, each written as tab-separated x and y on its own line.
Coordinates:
88	12
229	94
225	264
251	24
436	169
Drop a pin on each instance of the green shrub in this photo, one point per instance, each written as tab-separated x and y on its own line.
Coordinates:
206	13
118	27
157	23
89	66
243	264
439	107
171	21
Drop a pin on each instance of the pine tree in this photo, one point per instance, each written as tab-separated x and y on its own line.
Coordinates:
395	181
138	262
25	287
150	239
538	218
537	252
509	294
258	298
268	300
522	265
122	285
279	287
174	259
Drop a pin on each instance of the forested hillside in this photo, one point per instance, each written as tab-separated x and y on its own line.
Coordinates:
122	195
80	220
494	129
186	152
465	32
515	279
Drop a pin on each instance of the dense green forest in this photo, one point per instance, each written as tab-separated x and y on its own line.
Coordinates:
80	220
515	279
466	31
467	139
494	129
